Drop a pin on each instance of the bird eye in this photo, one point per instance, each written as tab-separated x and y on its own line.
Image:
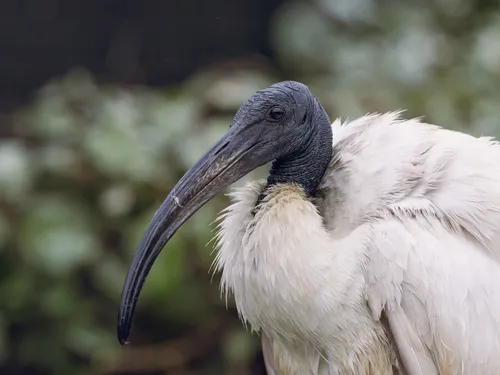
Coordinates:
276	113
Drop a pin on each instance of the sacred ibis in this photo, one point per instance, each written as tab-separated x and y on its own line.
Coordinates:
373	247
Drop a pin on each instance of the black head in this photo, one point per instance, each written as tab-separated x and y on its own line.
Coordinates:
278	120
284	123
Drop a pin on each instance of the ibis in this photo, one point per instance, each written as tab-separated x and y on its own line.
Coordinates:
372	248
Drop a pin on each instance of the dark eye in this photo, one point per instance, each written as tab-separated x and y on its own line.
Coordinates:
276	113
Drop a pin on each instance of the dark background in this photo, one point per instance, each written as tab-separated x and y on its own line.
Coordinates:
105	104
152	42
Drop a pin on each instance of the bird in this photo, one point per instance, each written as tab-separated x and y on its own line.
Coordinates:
372	248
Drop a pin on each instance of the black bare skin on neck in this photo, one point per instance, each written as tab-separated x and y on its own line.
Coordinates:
306	166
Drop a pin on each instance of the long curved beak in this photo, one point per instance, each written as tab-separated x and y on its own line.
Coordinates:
227	161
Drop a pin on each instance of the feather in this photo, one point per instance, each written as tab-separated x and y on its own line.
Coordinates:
406	226
414	357
268	353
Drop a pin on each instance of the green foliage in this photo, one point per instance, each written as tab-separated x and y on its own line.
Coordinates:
93	162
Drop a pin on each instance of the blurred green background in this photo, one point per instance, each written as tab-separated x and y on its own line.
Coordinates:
105	104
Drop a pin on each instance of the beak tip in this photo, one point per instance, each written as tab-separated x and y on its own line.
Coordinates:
123	330
123	335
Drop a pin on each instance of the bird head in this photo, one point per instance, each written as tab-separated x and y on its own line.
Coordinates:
284	123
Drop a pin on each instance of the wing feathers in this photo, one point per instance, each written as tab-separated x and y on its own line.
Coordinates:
414	357
442	303
267	351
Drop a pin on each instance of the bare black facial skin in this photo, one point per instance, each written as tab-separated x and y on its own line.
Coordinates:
283	123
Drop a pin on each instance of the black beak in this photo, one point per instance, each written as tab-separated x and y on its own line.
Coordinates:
228	160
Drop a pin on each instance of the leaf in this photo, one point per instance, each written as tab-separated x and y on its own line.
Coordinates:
16	170
56	236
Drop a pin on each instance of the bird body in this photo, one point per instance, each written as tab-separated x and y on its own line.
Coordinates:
283	268
407	232
373	247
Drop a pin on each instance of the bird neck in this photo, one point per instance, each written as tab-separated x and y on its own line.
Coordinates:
306	166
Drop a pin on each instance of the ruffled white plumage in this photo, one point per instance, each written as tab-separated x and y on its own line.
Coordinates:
399	256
